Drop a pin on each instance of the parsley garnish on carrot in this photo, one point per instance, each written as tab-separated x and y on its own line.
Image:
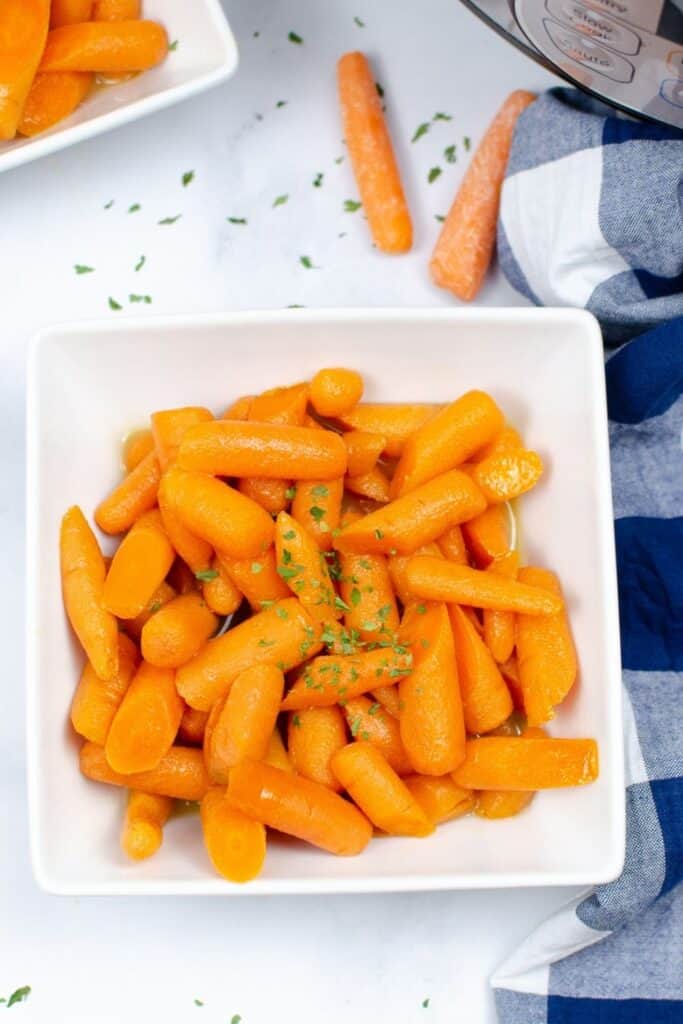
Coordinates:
206	575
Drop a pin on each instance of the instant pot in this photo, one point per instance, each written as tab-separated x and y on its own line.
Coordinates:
628	53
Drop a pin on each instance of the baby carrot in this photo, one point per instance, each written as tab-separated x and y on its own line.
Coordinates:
256	578
370	722
244	723
137	493
177	631
439	797
303	568
51	98
313	737
317	507
219	590
298	807
439	580
546	657
494	804
389	699
161	596
272	495
486	700
105	47
83	574
180	773
502	763
373	485
394	422
488	535
452	544
146	721
236	845
283	635
96	701
510	673
363	449
499	627
446	440
219	514
231	448
146	815
368	596
69	12
416	518
397	571
192	727
141	562
372	156
23	30
138	443
330	679
169	427
431	717
379	792
285	407
335	391
505	476
507	440
276	755
115	10
196	552
463	251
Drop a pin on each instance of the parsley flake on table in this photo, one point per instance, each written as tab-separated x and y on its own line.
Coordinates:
187	178
81	268
351	205
236	220
113	304
450	154
421	130
339	159
318	180
307	262
425	1003
108	206
206	575
357	20
147	299
433	174
440	217
295	38
198	1002
174	45
280	103
235	1019
140	263
380	90
134	208
170	220
280	200
442	117
467	143
19	995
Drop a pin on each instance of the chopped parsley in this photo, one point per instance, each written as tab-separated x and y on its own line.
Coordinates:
425	1003
206	575
113	304
290	535
174	45
434	173
425	643
450	154
316	512
281	103
440	217
266	604
355	725
320	491
357	21
442	117
82	268
286	572
235	1019
467	143
187	178
170	220
265	643
290	493
340	603
295	38
374	708
281	612
380	90
134	208
140	263
307	262
355	597
236	220
256	567
296	721
19	995
198	1002
280	200
147	299
421	609
379	535
351	205
318	180
339	160
421	130
108	206
154	607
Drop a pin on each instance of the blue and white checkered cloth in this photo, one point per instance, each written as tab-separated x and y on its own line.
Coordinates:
615	955
592	214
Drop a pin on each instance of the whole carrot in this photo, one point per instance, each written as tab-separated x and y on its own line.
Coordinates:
236	845
330	679
105	47
463	251
313	738
298	807
367	593
180	773
96	700
140	564
23	30
177	631
285	407
452	544
51	98
335	390
244	723
146	721
372	155
437	579
83	574
375	787
146	815
373	485
502	763
317	507
389	699
397	570
136	494
192	727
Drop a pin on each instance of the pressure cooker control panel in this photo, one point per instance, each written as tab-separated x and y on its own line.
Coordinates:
629	51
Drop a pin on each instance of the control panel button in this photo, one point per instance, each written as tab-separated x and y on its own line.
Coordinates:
595	25
671	90
675	62
588	53
639	13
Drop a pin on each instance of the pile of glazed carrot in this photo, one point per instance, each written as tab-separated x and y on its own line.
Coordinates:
465	245
387	663
52	50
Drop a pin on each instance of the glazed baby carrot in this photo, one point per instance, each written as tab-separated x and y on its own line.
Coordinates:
146	721
373	485
51	98
431	717
463	251
510	673
180	773
499	627
115	10
140	564
139	443
394	422
218	514
256	578
196	552
397	571
506	475
169	427
488	535
546	657
272	495
231	448
486	700
379	792
69	12
452	544
415	519
83	575
439	580
317	507
372	155
388	697
161	596
335	391
177	631
363	449
439	797
370	722
303	568
146	815
23	30
499	762
96	700
446	440
192	727
276	755
105	47
299	807
219	590
285	407
313	737
330	679
236	845
366	590
494	804
507	440
283	634
243	725
137	493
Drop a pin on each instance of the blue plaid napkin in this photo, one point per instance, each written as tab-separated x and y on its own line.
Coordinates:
615	955
592	214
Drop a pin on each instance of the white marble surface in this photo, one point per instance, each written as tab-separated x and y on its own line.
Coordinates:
292	959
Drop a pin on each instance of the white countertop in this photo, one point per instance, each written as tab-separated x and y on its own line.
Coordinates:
292	959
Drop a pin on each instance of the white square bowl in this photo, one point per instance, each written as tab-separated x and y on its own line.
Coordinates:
206	55
90	384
